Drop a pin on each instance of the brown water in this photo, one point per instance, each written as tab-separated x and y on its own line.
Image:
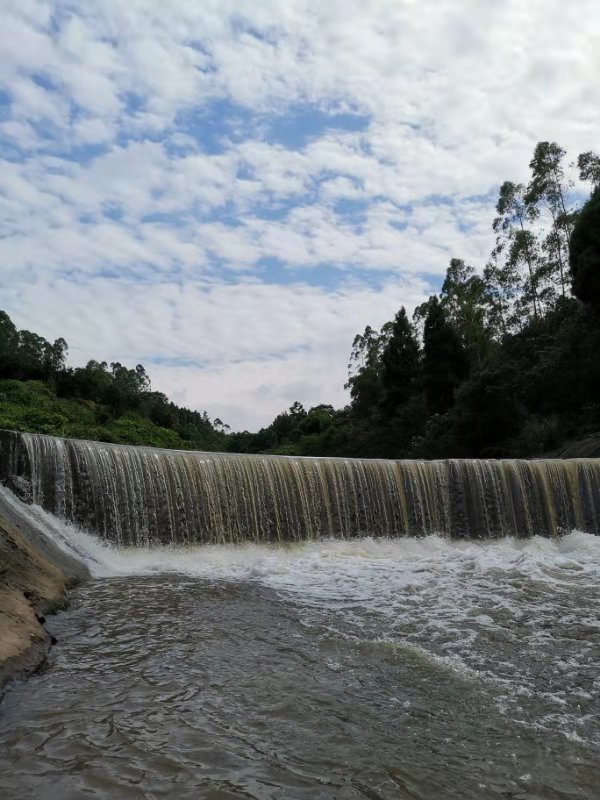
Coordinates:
416	669
140	496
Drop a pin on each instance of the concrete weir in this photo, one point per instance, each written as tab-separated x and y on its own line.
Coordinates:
144	497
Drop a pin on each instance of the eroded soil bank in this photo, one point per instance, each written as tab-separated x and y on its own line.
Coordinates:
34	581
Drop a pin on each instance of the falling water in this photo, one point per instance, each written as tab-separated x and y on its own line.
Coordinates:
141	496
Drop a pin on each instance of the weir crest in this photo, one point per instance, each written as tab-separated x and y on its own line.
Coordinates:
141	496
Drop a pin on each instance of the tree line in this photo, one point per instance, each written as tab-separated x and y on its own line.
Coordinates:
103	393
502	362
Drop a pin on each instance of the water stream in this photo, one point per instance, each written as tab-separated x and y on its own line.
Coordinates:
146	496
411	668
298	653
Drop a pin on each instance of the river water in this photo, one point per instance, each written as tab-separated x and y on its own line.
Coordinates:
401	668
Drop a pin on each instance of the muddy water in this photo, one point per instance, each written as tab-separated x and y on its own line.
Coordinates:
146	496
372	669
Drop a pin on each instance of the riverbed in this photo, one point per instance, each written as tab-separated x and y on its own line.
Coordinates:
405	668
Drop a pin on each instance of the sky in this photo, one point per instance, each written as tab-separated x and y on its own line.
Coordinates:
227	192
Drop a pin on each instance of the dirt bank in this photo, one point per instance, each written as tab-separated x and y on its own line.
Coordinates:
34	580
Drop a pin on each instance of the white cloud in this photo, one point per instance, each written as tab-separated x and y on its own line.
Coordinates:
115	166
244	351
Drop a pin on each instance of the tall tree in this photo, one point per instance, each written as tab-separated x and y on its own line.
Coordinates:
589	168
468	304
585	253
365	369
517	249
400	363
9	342
502	285
445	363
549	190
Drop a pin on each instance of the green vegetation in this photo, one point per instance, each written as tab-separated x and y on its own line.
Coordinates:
38	393
503	362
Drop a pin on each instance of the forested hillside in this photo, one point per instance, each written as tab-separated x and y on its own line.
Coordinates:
39	393
504	361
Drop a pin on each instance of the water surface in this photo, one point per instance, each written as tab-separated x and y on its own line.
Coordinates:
368	669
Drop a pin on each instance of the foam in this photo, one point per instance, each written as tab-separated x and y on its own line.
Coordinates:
498	612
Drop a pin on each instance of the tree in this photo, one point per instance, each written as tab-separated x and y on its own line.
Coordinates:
589	168
502	284
125	391
9	339
365	369
286	426
318	419
32	351
297	410
400	363
517	245
56	356
549	189
585	253
468	305
445	363
368	347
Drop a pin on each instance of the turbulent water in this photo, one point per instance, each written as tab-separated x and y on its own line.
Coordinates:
374	668
276	628
144	496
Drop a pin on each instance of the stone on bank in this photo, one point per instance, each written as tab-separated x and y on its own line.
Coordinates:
34	580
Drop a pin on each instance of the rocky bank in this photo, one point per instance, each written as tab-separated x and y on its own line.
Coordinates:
34	581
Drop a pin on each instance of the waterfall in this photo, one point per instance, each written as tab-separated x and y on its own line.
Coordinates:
141	496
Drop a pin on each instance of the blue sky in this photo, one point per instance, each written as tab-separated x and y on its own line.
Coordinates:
229	191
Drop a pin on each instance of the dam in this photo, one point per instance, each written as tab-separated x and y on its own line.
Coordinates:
140	496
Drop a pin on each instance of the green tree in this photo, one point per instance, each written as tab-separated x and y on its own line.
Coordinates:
589	168
317	420
365	369
56	356
517	249
503	285
125	391
445	363
285	427
9	341
549	190
468	305
585	253
36	357
400	363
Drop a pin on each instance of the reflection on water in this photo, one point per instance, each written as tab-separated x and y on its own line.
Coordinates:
373	669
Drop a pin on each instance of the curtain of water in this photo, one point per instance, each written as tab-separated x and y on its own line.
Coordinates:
143	496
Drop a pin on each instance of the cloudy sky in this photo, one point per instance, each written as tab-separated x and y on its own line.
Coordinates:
229	191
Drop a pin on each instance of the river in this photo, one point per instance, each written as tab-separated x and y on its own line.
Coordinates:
372	668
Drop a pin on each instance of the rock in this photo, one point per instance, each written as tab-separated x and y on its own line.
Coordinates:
34	579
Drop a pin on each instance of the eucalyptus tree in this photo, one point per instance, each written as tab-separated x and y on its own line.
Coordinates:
549	190
589	168
468	304
515	263
365	369
9	341
585	253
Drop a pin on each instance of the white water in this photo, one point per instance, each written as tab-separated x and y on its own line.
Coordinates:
335	569
520	616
